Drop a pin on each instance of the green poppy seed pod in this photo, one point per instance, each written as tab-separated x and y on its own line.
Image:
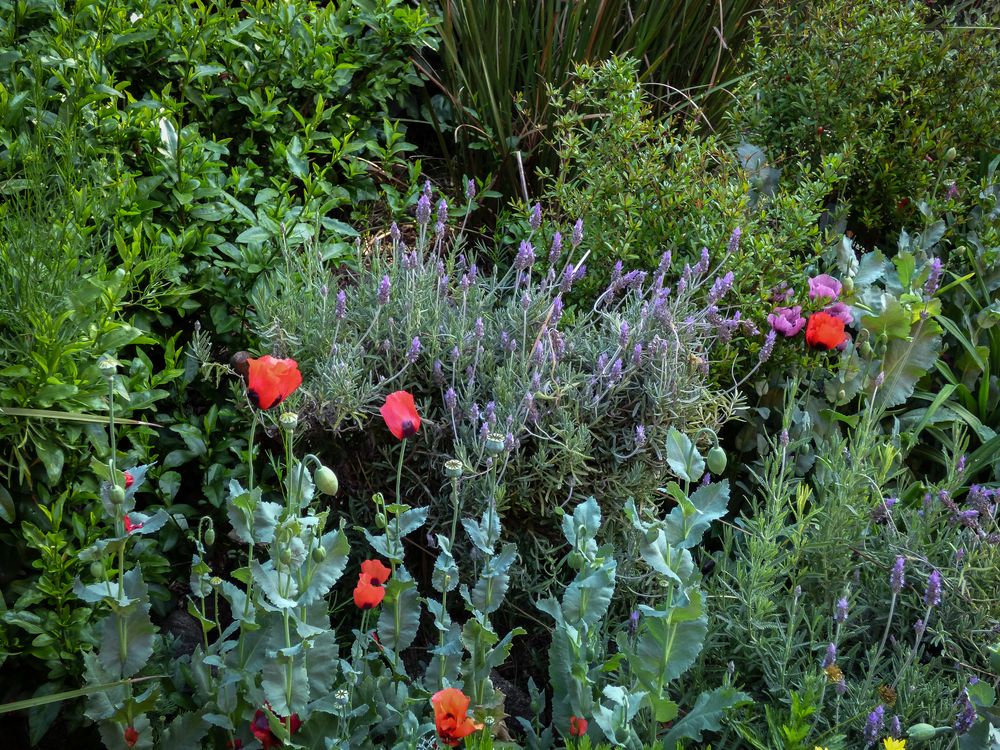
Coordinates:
949	155
117	495
866	349
289	421
652	535
210	536
326	481
575	560
319	554
215	582
494	443
841	395
919	732
286	556
717	460
848	285
380	520
97	569
453	469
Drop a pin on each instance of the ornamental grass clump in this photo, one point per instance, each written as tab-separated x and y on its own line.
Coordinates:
580	397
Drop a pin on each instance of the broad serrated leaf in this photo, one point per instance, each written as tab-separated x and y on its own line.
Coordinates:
281	591
138	632
397	623
705	716
905	362
445	575
275	674
328	572
486	533
683	457
665	649
185	732
707	504
492	585
588	597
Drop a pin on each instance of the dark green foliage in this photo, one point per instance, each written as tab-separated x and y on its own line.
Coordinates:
890	86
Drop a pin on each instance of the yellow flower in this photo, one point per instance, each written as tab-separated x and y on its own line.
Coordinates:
890	744
819	748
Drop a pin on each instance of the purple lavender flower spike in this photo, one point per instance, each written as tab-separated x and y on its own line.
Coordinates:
470	190
896	727
623	332
480	329
720	287
525	256
535	220
567	280
841	686
701	267
840	614
824	286
734	241
580	272
423	210
768	348
577	236
831	655
952	193
633	622
427	188
966	715
341	308
896	578
557	309
556	249
450	399
324	291
787	321
383	290
664	263
640	435
934	279
438	371
932	597
442	215
637	354
919	627
414	351
525	301
873	726
616	371
455	354
395	233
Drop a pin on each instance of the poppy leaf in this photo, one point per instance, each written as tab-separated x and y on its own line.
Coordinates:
588	597
707	504
267	578
397	624
138	630
328	571
683	457
445	575
186	731
493	582
275	687
706	715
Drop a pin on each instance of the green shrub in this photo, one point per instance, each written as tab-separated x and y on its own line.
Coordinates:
889	86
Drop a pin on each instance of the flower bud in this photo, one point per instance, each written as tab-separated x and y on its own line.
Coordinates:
380	521
209	536
920	732
319	554
286	556
949	155
848	285
494	442
108	367
289	421
453	469
841	395
575	560
717	460
117	495
326	480
97	569
652	535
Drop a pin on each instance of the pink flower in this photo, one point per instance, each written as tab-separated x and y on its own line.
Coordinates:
825	286
842	311
787	321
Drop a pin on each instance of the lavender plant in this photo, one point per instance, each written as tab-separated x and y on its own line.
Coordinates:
582	398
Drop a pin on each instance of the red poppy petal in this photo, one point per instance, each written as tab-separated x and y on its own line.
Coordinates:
375	570
270	381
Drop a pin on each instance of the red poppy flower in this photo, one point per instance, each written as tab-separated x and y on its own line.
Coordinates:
131	736
400	414
450	707
368	595
261	728
129	480
577	726
270	381
825	331
376	571
130	525
236	744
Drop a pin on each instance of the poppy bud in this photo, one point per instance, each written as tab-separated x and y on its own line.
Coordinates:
494	442
326	480
286	556
848	285
97	569
453	469
380	520
117	495
652	535
319	554
949	155
575	560
920	732
108	367
841	395
210	536
131	736
866	349
717	460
